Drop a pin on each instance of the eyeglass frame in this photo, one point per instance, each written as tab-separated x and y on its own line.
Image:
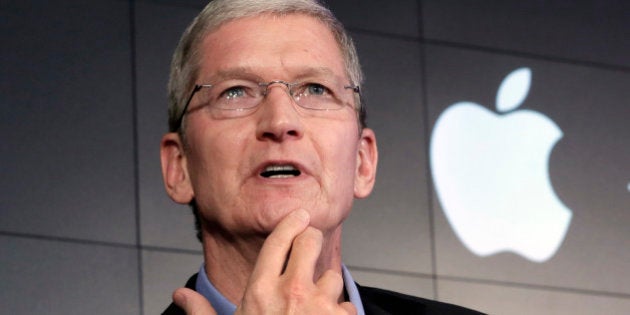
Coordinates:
198	87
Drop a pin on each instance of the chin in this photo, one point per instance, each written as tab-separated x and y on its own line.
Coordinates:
269	210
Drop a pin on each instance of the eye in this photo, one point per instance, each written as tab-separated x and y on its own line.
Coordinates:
316	89
233	92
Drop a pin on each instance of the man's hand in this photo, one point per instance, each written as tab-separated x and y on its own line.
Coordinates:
283	280
278	289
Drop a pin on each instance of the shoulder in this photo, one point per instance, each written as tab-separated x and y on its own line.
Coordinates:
176	310
379	301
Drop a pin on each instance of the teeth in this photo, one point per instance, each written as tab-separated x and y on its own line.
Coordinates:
281	176
279	168
280	171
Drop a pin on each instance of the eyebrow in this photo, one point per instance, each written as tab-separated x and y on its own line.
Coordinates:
235	72
250	74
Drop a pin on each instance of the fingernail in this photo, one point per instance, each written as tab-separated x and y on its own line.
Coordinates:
302	215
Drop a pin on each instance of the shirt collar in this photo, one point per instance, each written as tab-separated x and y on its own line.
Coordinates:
224	307
352	290
220	304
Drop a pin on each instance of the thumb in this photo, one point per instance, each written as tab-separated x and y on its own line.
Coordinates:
192	302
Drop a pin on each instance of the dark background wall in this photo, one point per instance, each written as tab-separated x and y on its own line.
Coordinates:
86	227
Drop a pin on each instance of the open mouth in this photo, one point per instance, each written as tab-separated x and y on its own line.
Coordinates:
280	171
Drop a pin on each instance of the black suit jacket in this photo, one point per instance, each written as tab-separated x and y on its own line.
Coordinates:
377	302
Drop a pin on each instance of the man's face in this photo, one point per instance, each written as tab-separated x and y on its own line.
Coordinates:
226	157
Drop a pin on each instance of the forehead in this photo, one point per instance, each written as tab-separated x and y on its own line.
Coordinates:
272	46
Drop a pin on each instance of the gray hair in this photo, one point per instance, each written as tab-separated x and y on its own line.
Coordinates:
186	59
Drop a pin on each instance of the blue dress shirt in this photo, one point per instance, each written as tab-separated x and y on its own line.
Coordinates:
225	307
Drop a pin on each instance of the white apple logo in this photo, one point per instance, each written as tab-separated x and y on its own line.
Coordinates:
491	175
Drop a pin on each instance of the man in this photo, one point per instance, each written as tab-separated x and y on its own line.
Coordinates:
268	144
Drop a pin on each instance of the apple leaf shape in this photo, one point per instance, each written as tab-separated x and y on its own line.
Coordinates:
513	89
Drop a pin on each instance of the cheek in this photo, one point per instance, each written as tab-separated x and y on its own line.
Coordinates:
212	155
342	159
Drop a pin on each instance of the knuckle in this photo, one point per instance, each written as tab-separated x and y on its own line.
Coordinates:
327	308
256	290
333	275
256	296
331	281
295	290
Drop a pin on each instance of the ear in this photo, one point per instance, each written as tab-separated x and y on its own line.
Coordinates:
367	160
174	169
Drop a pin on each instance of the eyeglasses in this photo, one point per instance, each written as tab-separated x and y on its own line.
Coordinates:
236	97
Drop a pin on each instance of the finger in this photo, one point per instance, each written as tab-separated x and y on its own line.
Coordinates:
274	251
331	283
192	302
304	254
349	308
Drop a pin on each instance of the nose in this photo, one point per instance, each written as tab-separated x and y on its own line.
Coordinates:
279	119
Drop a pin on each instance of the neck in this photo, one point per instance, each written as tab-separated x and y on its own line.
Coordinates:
229	261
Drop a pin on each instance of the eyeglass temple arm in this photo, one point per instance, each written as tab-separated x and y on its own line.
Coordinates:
181	116
354	88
